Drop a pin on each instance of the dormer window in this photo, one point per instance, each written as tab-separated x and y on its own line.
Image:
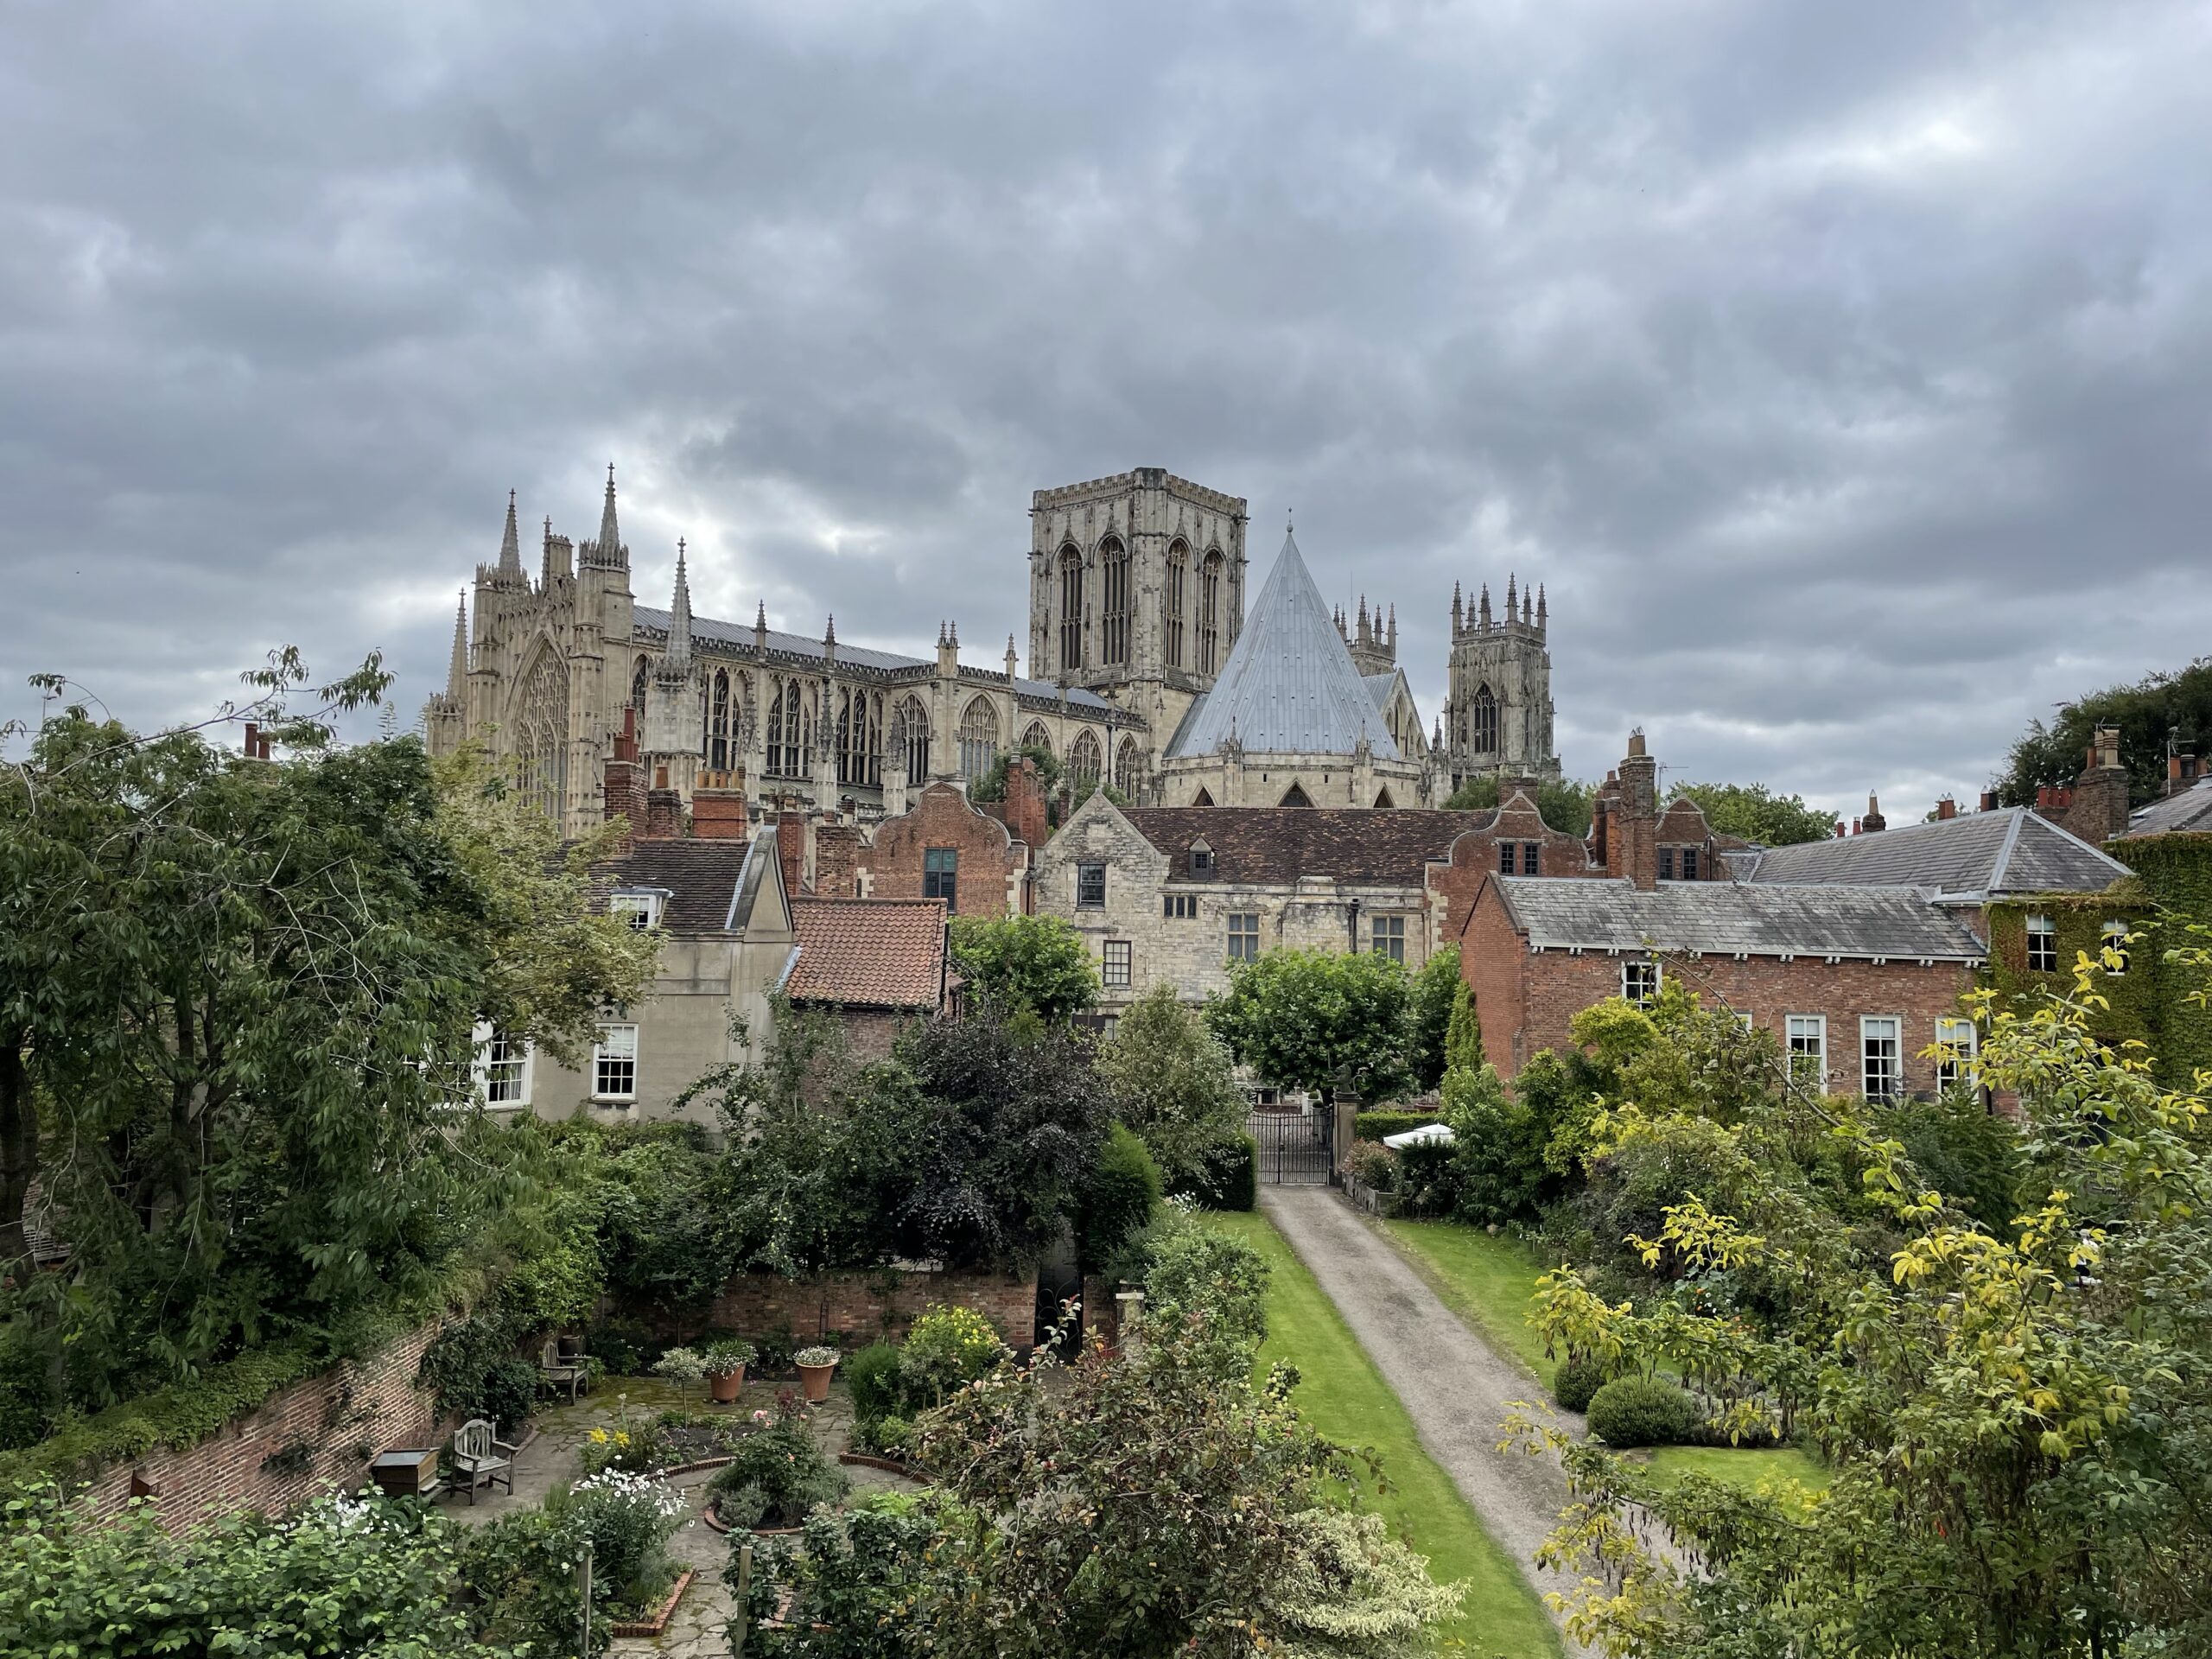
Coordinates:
1201	859
642	909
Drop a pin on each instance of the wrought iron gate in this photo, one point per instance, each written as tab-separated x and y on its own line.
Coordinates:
1294	1146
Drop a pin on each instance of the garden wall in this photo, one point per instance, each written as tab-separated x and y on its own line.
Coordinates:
857	1307
304	1440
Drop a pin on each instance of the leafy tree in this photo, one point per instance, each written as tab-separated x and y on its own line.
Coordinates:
991	786
1311	1019
1036	963
1756	813
1436	989
236	1000
2167	706
1463	1031
1174	1084
1121	1200
2018	1423
1564	804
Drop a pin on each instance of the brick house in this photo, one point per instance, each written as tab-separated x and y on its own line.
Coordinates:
1855	982
975	859
875	963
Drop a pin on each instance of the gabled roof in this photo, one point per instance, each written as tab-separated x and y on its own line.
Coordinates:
699	877
1978	855
2188	812
1379	687
1275	845
1289	686
1722	918
868	953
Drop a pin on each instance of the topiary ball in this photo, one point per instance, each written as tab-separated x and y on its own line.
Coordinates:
1581	1377
1632	1411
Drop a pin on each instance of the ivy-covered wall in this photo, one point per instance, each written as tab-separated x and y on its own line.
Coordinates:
2149	1005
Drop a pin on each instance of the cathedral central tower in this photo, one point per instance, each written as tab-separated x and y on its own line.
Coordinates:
1497	718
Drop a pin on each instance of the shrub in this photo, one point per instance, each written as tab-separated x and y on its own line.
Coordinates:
506	1393
1174	1084
887	1436
776	1475
947	1348
623	1350
1631	1411
1374	1166
773	1349
1228	1178
1579	1377
1217	1276
26	1400
1373	1125
872	1377
628	1519
681	1366
852	1582
1124	1190
1498	1163
1427	1182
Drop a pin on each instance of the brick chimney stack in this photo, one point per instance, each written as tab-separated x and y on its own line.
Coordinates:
2097	808
1946	809
624	798
1025	816
1874	821
1638	830
792	836
2180	771
1989	800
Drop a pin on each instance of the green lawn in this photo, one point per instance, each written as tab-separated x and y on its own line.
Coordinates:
1738	1466
1485	1279
1342	1393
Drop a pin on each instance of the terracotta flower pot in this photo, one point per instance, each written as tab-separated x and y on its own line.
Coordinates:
726	1388
570	1347
814	1381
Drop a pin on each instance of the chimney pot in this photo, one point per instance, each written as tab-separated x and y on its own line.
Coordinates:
1989	800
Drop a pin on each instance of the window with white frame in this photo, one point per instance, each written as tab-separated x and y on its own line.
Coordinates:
2115	940
614	1063
1881	1056
1114	964
1387	937
1639	981
2043	945
642	909
1955	1038
502	1067
1245	936
1807	1038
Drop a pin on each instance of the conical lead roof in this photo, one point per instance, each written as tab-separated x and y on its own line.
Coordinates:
1289	686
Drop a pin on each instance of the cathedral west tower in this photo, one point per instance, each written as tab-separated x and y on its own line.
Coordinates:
1498	716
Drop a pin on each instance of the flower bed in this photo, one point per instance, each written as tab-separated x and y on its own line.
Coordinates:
658	1622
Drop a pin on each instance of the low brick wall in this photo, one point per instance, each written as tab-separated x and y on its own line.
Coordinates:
319	1423
857	1307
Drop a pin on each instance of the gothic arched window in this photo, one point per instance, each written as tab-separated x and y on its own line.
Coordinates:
860	737
1085	759
638	677
1070	609
1125	766
541	730
1176	599
979	739
718	722
1036	737
910	738
1483	736
1210	614
1114	589
790	730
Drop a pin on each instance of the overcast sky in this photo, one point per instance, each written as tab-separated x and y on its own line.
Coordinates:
1844	371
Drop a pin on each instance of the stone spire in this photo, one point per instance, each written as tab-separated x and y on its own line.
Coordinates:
1539	607
1012	661
511	547
1456	609
1485	605
761	630
457	670
677	662
830	639
1512	598
1528	608
609	550
1392	639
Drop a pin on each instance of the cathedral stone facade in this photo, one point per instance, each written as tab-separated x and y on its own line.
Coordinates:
1144	674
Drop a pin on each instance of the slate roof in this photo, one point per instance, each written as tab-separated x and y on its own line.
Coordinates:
1723	919
1266	846
735	637
2188	812
1378	687
1289	686
868	953
699	876
1978	854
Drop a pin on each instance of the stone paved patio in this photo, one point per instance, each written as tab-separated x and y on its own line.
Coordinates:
696	1631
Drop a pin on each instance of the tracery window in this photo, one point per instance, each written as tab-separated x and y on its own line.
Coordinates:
909	738
1484	721
790	730
860	737
1125	766
1070	609
718	721
542	736
1179	578
1085	761
1210	614
979	739
1114	564
1036	737
638	677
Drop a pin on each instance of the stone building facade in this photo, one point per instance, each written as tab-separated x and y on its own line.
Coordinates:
1498	713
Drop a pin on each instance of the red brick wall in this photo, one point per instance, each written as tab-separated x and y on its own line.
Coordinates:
858	1307
941	816
1453	887
1525	1002
718	814
371	1402
837	860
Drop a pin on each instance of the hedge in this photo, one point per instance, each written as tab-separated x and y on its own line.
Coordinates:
1231	1180
1124	1194
1373	1125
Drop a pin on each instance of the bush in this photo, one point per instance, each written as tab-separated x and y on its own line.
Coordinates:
1231	1176
623	1350
1497	1164
1579	1377
947	1348
26	1400
1374	1166
852	1582
1123	1193
506	1393
1173	1084
1373	1125
628	1520
1631	1411
1216	1275
871	1376
885	1437
776	1475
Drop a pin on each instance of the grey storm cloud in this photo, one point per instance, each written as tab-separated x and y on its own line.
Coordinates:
1844	372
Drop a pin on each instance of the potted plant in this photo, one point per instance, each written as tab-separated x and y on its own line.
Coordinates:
724	1363
815	1365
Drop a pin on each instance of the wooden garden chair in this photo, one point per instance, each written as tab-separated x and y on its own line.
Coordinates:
573	1374
479	1459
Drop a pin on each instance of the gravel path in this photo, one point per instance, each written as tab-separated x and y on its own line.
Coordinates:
1454	1385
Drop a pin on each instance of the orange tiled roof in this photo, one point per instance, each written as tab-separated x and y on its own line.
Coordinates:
869	953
